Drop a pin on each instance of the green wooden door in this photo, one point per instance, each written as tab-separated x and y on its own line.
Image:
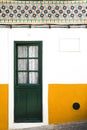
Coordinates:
28	81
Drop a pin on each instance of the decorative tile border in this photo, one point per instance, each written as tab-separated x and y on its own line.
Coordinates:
51	12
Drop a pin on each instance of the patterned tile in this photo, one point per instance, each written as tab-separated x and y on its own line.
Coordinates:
43	12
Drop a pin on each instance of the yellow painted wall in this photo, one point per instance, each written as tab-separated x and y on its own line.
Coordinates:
3	106
60	100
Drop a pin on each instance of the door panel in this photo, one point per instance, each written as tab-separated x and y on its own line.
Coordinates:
20	105
28	105
34	103
28	82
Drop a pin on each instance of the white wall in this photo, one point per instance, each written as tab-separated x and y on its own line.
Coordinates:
23	35
4	56
58	67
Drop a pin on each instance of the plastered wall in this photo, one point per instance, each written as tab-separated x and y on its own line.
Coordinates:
67	103
58	67
4	55
3	79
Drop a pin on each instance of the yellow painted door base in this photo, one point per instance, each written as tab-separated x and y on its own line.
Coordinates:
3	106
67	103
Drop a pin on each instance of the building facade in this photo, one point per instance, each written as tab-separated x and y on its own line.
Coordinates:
63	83
42	71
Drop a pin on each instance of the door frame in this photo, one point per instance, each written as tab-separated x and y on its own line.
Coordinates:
15	70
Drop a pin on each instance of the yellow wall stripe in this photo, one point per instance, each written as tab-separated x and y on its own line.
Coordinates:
61	98
3	106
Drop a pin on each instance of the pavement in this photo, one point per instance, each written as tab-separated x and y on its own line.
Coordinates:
68	126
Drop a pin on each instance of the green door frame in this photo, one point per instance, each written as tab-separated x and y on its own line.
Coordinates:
27	89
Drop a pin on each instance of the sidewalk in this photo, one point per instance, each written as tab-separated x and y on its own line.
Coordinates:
68	126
